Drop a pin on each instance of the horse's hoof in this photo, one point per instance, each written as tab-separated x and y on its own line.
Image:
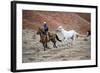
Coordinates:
55	46
49	48
44	50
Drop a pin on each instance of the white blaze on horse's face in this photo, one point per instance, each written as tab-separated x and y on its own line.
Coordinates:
59	28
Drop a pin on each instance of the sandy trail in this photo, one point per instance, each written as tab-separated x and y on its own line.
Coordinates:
32	50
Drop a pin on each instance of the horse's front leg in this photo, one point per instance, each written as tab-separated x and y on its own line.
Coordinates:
67	43
55	45
44	45
47	46
70	42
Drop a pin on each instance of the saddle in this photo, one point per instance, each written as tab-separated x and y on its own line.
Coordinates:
47	36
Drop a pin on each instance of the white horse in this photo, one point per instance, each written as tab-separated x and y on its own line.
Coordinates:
69	36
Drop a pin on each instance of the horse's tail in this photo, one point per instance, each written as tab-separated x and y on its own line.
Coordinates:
58	38
80	35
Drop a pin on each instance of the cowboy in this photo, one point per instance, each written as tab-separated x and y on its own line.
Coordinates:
45	26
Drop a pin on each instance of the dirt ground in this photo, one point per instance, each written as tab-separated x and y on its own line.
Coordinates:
32	50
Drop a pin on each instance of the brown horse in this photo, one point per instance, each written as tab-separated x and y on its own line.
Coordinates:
45	38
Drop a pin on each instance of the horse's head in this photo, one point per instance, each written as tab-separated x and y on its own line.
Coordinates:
59	29
40	30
